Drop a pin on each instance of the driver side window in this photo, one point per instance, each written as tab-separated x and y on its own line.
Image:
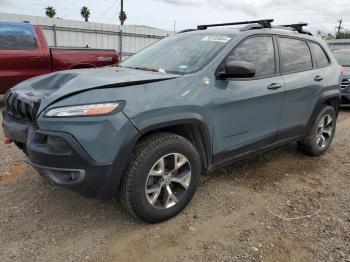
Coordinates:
259	51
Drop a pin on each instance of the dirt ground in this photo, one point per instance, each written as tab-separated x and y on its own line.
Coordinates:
280	206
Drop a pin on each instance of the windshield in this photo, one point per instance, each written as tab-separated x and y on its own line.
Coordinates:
180	54
342	57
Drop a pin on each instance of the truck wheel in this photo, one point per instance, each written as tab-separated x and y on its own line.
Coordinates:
321	134
161	178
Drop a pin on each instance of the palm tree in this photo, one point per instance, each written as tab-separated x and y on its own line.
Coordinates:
85	13
50	11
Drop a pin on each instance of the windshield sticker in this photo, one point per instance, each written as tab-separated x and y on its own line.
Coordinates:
183	66
216	38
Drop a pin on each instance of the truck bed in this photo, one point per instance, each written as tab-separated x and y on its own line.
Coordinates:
70	57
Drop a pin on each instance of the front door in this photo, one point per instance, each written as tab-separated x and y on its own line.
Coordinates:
246	111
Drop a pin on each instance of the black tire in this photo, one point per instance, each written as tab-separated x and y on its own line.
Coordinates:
147	152
309	145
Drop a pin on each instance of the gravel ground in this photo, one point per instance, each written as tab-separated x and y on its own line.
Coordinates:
280	206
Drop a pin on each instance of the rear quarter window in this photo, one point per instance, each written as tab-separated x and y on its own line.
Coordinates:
17	37
319	56
295	55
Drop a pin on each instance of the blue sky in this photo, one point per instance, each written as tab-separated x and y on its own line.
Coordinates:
320	14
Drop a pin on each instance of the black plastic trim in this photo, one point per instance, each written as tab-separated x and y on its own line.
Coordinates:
228	157
55	175
188	119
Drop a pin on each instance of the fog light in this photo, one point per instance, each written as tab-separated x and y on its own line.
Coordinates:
57	143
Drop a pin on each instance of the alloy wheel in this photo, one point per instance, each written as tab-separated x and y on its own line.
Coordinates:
324	131
168	180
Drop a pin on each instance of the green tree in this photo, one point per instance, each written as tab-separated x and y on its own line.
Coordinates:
50	11
325	36
343	35
85	13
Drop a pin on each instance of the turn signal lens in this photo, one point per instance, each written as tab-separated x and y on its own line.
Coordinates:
84	110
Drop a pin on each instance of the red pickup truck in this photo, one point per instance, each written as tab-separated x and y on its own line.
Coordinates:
24	53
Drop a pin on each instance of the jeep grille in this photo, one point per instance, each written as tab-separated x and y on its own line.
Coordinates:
20	108
345	83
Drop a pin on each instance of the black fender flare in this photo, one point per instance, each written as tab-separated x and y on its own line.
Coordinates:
201	130
331	94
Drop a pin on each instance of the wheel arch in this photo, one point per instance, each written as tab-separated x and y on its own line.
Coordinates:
193	129
331	98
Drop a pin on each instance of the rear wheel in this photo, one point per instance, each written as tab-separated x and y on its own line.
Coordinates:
321	134
162	177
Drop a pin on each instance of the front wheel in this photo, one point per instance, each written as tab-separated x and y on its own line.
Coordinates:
162	177
321	134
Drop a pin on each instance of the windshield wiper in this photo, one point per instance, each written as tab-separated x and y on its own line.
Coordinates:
143	68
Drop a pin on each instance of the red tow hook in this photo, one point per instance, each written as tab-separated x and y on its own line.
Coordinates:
7	141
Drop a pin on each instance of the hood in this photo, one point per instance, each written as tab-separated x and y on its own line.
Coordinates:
49	88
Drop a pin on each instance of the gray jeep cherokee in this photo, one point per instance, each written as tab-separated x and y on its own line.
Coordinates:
185	105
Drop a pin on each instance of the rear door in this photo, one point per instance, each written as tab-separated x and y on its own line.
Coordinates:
246	111
21	55
304	80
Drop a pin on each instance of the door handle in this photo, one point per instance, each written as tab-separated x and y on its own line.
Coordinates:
318	78
275	86
34	58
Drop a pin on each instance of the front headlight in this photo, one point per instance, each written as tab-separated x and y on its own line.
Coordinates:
85	110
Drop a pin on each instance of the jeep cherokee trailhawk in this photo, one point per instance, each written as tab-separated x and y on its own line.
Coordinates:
147	130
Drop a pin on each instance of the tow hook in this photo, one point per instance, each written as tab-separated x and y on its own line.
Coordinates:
7	141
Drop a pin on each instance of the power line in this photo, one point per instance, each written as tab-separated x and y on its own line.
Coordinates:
106	11
113	17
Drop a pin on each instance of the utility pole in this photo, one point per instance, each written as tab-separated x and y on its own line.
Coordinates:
339	27
174	27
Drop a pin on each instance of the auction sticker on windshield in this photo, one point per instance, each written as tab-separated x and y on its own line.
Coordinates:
216	38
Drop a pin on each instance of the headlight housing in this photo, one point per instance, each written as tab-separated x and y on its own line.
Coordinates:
98	109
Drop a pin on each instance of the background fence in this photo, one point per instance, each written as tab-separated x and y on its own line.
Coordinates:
339	44
127	39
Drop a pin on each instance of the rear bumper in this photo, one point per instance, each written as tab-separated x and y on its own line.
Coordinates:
64	162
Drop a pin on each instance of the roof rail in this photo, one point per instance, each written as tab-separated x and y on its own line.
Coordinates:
266	23
186	30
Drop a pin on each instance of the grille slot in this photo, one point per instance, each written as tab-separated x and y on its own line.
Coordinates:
345	83
20	108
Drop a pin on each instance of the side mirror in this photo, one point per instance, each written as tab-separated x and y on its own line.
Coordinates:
238	69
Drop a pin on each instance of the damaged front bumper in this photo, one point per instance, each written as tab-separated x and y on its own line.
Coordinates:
58	157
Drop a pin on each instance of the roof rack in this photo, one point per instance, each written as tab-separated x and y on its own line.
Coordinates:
296	27
257	24
266	23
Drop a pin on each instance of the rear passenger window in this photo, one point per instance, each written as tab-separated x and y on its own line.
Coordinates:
17	37
259	51
295	55
319	56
